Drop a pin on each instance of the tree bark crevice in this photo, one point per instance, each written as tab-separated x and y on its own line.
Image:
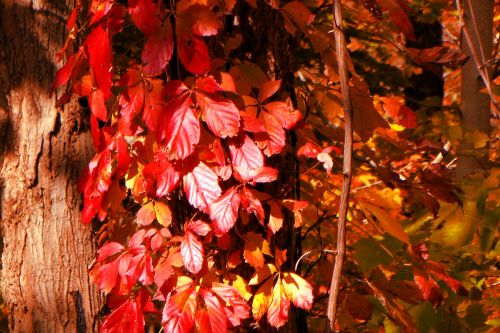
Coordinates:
46	249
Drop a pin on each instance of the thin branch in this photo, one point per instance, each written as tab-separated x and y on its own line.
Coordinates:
481	67
341	53
476	31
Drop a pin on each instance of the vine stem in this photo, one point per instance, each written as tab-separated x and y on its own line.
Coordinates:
341	53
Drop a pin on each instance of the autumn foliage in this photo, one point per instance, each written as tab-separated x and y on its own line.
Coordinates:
216	167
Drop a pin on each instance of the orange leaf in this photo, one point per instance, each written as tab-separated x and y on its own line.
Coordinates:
255	248
268	89
275	217
277	314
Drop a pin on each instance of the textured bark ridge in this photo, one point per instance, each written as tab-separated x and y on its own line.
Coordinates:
475	104
46	250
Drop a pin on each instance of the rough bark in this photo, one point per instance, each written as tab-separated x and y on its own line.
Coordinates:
475	104
46	249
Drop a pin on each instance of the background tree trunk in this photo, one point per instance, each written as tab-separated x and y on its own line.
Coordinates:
475	105
46	249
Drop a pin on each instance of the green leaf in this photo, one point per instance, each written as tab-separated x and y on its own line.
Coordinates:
475	317
391	327
493	322
459	226
424	316
488	229
369	254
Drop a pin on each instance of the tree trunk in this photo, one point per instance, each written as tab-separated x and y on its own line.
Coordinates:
46	249
475	105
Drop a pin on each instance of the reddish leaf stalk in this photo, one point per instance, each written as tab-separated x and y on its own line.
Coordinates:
341	53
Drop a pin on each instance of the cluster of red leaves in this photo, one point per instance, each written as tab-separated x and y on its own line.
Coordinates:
159	141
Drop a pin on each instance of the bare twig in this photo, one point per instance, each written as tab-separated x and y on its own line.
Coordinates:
341	53
309	252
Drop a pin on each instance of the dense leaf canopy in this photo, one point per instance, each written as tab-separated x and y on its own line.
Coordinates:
218	132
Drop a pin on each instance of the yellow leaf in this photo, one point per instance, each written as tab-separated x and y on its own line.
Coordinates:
277	314
297	290
386	221
241	286
459	226
163	213
262	299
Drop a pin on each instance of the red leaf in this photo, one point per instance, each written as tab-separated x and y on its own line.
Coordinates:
143	13
205	22
131	101
108	249
260	175
201	187
224	211
236	307
160	178
268	89
108	276
246	156
97	105
199	227
208	85
440	272
192	252
286	117
399	17
193	53
146	215
155	103
158	50
309	150
64	73
252	204
178	126
100	9
178	313
444	55
402	114
213	320
220	114
428	287
273	141
140	268
126	318
299	14
98	49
